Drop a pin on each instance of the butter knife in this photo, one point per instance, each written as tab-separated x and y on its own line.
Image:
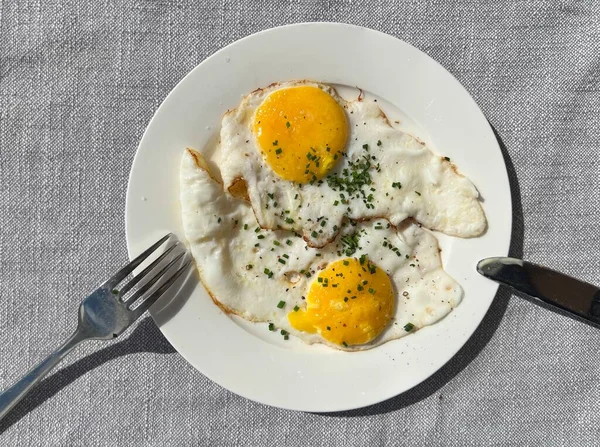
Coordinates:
555	288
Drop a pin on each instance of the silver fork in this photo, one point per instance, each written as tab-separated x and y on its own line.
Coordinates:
104	315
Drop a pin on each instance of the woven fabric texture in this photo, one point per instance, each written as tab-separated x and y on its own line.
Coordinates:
79	81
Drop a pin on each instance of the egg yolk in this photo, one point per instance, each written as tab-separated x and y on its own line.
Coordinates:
301	132
349	303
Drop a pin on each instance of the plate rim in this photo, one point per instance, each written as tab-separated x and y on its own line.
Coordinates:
354	28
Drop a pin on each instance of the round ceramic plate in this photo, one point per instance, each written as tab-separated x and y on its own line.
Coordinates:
418	95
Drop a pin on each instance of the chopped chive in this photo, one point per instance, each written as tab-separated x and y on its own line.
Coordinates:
219	220
286	337
336	203
245	226
289	220
281	304
260	236
296	308
278	151
366	147
378	142
372	291
447	158
283	332
360	288
287	124
249	267
346	262
276	243
323	223
257	229
314	234
345	344
288	242
268	272
281	261
409	327
417	193
319	279
271	327
328	328
275	142
397	185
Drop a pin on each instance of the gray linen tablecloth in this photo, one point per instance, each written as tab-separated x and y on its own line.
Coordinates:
79	81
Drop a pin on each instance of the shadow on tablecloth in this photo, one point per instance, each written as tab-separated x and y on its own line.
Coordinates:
137	342
485	330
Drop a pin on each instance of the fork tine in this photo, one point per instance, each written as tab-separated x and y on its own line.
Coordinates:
148	285
122	274
160	291
147	270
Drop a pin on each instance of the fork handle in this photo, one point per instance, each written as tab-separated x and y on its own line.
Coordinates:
10	397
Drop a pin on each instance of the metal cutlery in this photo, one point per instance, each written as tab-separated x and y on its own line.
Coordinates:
108	312
555	288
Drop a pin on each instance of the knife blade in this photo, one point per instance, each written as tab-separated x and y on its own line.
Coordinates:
550	286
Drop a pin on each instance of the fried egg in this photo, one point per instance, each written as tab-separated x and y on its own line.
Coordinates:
373	283
302	155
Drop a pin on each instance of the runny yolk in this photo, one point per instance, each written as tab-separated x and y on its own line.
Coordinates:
350	302
302	132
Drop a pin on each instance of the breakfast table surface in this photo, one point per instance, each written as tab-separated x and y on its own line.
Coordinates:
79	82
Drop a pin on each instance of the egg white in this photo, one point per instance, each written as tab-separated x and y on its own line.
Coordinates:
222	232
408	179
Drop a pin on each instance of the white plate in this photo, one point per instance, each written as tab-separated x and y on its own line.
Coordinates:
245	358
